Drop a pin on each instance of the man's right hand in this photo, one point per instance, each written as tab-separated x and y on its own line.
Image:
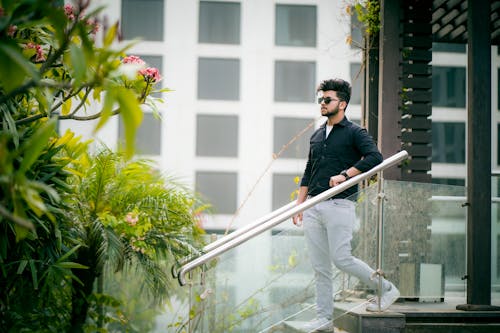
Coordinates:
297	219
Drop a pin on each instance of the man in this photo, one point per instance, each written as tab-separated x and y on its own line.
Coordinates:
339	150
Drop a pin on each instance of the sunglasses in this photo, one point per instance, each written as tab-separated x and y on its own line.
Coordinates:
327	100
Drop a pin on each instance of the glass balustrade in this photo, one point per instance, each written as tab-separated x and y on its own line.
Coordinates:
266	283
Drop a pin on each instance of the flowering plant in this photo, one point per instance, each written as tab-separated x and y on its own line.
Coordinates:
54	50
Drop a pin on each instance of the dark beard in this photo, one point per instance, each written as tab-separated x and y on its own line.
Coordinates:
332	113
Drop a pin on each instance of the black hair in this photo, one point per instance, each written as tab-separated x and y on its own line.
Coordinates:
341	87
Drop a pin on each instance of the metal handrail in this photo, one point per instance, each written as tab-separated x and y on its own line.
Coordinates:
258	229
223	240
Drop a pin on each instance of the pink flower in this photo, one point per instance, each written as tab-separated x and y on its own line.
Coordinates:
39	54
11	30
95	26
68	10
131	219
30	45
133	60
151	73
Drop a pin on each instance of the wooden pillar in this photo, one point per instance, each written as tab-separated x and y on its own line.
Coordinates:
478	158
371	86
389	116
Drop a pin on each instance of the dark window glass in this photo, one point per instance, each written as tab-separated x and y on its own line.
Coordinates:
356	83
285	129
142	19
296	25
449	181
219	189
148	137
219	22
448	86
448	142
284	189
294	81
448	47
217	136
219	79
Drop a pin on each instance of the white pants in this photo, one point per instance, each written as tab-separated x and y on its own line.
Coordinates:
328	228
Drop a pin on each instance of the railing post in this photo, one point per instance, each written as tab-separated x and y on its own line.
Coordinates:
190	324
380	232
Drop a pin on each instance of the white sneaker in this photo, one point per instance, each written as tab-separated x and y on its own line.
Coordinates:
319	324
388	297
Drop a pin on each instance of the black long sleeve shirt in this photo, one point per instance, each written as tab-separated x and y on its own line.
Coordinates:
348	145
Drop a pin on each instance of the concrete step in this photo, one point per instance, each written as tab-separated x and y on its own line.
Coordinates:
450	328
297	327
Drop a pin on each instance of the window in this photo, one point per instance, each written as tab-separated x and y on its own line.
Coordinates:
498	144
449	181
219	22
148	137
448	142
448	47
219	189
296	25
294	81
448	86
157	62
284	189
142	19
285	129
357	83
498	87
217	136
219	79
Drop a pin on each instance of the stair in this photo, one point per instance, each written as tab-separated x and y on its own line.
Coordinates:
415	317
296	327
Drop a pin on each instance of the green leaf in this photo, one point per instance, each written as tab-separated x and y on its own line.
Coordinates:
69	253
22	266
34	201
34	274
109	101
14	68
78	63
132	117
70	265
33	147
111	35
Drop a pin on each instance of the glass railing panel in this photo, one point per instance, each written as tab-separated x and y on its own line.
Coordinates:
267	283
248	289
424	239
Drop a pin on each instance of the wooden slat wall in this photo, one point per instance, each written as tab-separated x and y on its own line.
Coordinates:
416	83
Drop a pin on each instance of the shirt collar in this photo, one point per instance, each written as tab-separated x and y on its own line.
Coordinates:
343	123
